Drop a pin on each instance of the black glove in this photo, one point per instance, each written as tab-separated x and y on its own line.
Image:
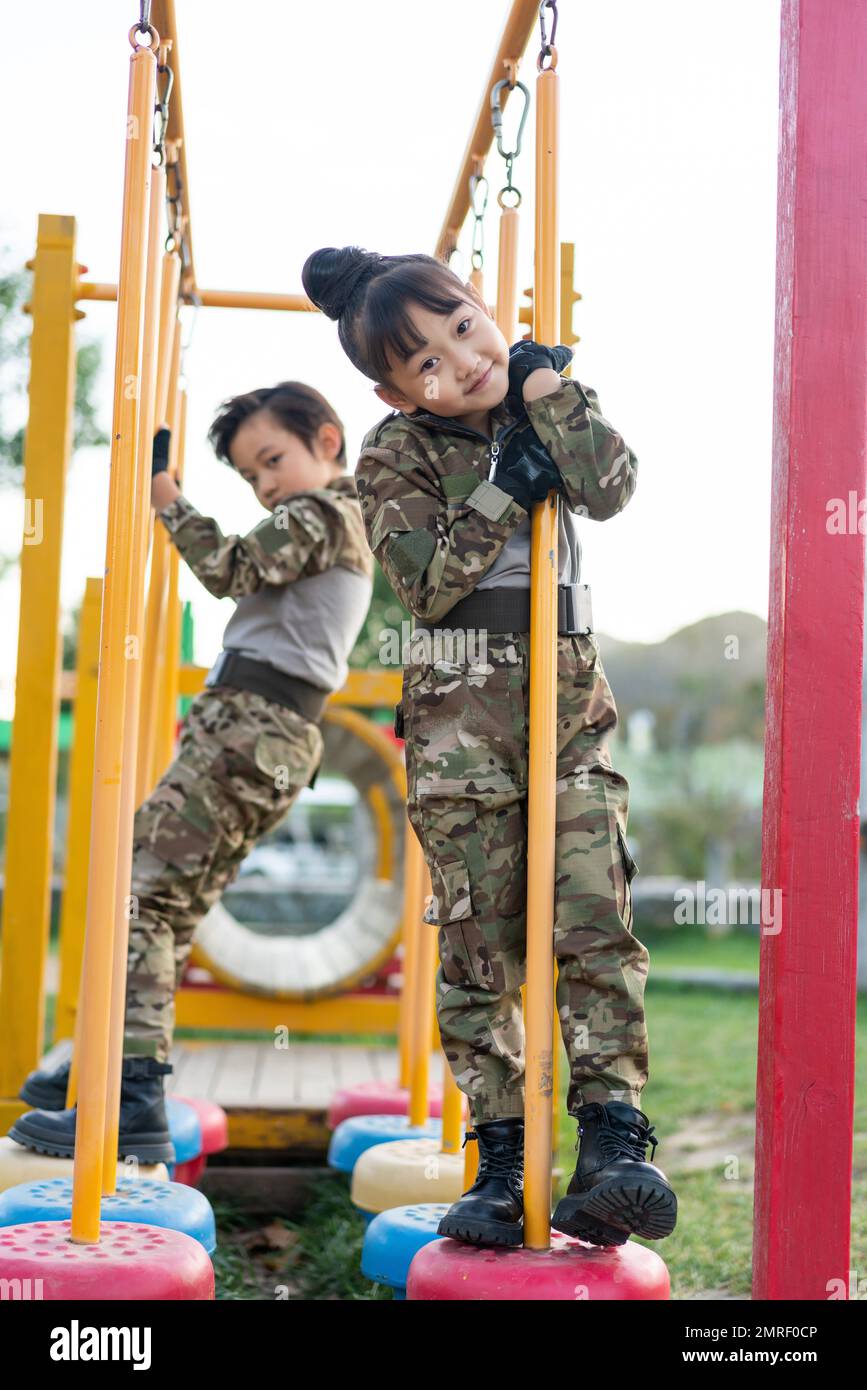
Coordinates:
160	455
525	469
526	357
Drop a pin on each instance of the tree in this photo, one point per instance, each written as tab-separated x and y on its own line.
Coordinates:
14	371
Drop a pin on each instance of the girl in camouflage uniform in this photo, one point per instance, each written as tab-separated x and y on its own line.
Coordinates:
454	543
302	580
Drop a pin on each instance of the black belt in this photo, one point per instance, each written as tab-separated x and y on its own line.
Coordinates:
243	673
508	610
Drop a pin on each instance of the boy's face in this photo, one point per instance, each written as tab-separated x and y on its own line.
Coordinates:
277	463
464	349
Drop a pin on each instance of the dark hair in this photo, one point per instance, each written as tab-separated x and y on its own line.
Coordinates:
368	294
297	407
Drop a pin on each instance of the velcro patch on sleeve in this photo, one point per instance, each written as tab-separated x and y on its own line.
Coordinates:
490	500
411	553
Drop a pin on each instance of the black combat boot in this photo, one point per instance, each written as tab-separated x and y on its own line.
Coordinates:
491	1212
614	1193
144	1128
46	1090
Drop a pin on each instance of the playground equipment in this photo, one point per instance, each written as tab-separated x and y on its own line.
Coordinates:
354	1136
214	1138
236	978
810	849
157	1262
406	1168
143	1202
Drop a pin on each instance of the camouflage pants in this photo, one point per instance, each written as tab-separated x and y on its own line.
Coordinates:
466	731
242	761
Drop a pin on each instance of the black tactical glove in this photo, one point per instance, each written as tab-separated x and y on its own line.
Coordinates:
526	357
525	469
160	455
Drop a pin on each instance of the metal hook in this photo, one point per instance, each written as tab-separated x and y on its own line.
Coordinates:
548	44
497	116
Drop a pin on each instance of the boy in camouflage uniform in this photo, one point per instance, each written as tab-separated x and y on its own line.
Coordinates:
446	484
251	741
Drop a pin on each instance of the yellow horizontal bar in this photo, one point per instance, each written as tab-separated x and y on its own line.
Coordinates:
369	689
255	299
213	299
278	1129
228	1008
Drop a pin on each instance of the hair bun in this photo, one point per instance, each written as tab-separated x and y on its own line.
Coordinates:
331	275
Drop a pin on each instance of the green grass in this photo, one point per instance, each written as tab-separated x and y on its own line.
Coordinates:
694	947
702	1060
318	1257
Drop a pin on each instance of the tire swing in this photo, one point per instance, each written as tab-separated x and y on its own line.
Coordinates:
335	958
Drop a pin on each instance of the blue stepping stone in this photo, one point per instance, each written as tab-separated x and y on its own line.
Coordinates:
185	1129
354	1136
150	1203
393	1237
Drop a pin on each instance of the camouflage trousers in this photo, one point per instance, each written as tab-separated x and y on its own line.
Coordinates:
466	732
241	763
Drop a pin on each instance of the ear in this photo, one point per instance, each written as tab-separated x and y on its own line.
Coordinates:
328	439
477	298
395	399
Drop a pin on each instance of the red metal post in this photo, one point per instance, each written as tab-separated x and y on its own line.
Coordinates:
805	1081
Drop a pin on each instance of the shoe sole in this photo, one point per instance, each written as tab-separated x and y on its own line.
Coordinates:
481	1232
147	1148
615	1210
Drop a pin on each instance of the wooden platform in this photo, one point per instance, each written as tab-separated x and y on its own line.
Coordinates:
277	1098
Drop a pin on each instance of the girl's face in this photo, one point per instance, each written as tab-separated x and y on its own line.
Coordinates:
463	350
277	463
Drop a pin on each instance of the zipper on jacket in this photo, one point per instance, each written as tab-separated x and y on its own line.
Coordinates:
475	434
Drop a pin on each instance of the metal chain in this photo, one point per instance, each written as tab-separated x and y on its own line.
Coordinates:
547	50
497	122
161	112
174	205
477	258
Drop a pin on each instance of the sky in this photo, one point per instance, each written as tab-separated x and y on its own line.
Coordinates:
345	124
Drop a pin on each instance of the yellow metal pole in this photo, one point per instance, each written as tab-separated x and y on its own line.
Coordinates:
541	808
133	655
99	941
171	279
33	762
452	1111
507	275
426	962
163	18
471	1164
413	893
167	706
158	589
73	910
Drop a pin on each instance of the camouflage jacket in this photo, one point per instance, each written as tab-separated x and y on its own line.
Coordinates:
302	578
433	519
306	534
